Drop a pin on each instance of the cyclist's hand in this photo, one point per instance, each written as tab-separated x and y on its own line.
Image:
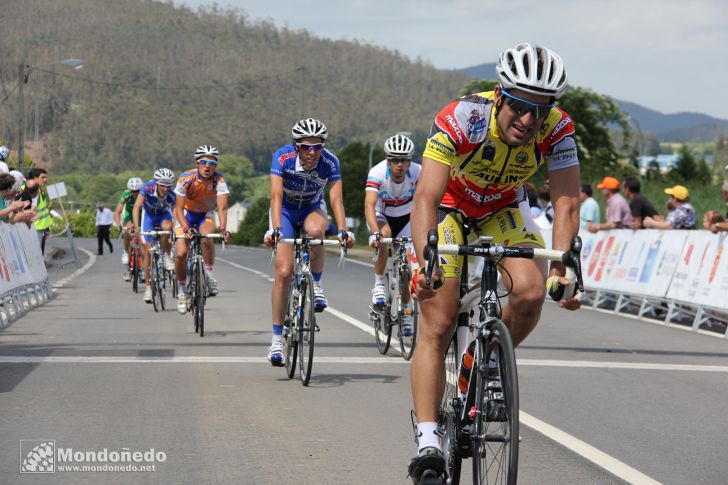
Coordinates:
374	240
563	290
271	237
225	235
136	230
346	238
418	286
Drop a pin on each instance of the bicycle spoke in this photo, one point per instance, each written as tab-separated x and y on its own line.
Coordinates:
306	330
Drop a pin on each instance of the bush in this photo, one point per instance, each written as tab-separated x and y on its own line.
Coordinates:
82	224
253	227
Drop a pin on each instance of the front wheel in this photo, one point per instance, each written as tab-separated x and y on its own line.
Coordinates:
408	342
495	440
306	330
383	325
154	280
200	294
133	257
290	329
450	410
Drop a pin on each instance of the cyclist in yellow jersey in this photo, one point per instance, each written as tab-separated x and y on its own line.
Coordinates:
481	150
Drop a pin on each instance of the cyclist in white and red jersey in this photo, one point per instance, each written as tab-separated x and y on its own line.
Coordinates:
481	150
387	204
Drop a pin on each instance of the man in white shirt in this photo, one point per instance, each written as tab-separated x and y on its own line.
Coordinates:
104	220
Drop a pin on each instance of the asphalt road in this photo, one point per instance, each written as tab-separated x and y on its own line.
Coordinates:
605	399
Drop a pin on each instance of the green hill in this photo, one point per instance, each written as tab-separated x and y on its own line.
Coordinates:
160	80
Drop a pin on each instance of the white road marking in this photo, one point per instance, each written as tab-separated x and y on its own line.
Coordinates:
599	458
69	359
78	272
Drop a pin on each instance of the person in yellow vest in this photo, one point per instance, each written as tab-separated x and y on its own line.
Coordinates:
35	191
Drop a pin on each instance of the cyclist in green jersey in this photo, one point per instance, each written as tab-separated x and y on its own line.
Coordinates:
123	216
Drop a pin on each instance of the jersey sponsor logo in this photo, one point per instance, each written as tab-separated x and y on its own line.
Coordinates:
476	124
560	126
482	198
286	156
522	157
451	121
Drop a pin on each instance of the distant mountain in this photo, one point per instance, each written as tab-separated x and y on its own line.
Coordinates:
677	127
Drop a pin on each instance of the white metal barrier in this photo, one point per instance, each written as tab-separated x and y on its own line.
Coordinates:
23	274
670	275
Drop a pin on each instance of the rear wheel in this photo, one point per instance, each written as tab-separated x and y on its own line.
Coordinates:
291	332
161	284
306	330
495	440
450	410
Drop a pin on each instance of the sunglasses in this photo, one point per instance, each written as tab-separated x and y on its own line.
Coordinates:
306	147
211	163
521	106
398	161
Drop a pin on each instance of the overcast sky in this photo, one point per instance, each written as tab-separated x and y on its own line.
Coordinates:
667	55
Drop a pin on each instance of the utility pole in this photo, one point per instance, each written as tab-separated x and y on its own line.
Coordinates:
21	116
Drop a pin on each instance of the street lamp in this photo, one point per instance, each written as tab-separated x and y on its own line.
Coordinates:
371	148
23	75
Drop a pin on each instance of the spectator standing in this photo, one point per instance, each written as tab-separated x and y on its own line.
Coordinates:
617	214
589	208
725	196
104	220
640	205
681	213
38	178
714	221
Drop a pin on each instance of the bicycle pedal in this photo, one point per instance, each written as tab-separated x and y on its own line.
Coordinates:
316	328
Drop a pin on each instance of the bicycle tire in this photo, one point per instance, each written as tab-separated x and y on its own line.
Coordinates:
450	415
161	284
153	277
200	295
407	344
306	330
290	341
134	271
495	439
383	324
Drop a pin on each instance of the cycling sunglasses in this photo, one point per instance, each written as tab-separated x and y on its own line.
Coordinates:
398	161
521	106
211	163
306	147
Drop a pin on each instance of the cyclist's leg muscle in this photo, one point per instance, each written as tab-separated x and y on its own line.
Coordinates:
208	245
437	317
385	231
284	273
315	226
527	284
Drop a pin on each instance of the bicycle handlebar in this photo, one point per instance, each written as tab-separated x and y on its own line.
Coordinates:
320	242
155	233
570	259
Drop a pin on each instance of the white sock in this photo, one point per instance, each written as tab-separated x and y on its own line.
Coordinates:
427	436
210	271
182	286
378	279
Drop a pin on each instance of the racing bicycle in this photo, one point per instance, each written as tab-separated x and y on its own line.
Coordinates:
197	279
398	275
299	325
482	421
158	275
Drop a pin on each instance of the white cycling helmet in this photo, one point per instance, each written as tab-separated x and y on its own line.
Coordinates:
3	153
164	176
399	146
206	151
532	68
309	127
134	184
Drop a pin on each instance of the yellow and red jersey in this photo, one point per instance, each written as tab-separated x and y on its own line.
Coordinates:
486	173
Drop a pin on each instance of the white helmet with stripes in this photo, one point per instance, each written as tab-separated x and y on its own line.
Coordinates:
206	151
164	176
134	184
532	68
399	146
309	127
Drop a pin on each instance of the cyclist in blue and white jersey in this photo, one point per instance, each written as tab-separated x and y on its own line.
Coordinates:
299	173
387	204
152	209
